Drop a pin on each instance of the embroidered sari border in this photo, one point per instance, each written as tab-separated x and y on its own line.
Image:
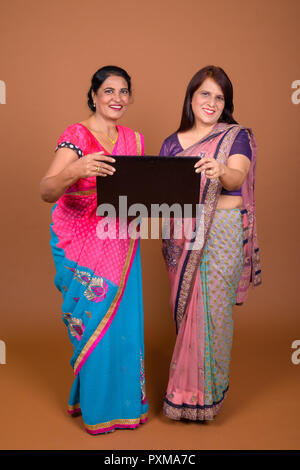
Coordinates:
110	314
179	290
215	157
116	424
200	407
192	414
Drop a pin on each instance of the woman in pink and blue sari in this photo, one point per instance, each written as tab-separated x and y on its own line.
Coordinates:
208	279
99	278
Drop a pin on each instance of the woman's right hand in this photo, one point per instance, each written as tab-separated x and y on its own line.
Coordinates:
93	164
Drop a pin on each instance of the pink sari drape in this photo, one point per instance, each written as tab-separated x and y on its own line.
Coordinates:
185	391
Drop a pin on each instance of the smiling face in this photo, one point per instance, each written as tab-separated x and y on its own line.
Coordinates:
112	98
208	103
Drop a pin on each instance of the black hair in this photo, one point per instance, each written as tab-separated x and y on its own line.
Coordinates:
222	79
100	76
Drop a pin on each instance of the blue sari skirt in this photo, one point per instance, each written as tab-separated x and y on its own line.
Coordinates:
109	386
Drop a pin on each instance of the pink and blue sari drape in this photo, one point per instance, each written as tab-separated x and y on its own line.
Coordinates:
205	283
101	284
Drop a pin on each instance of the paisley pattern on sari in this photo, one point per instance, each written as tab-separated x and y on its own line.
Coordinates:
205	283
100	281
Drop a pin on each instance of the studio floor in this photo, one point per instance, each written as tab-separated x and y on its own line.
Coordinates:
261	411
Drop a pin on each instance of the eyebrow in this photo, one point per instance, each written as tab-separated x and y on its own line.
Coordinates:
206	91
111	88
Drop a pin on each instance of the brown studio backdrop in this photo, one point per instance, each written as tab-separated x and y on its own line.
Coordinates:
49	51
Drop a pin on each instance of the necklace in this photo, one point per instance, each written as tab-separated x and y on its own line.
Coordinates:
113	141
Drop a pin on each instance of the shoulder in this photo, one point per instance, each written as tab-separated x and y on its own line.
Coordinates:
170	145
246	135
242	131
171	139
75	131
74	137
243	142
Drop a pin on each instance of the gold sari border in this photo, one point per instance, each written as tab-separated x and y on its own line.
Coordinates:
116	424
82	193
74	407
138	143
74	410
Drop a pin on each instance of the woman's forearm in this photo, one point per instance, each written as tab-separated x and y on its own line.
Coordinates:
232	179
52	187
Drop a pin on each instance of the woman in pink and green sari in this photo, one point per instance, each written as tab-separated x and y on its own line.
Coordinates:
100	279
207	281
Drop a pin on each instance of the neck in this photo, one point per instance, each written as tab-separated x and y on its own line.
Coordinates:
201	130
108	126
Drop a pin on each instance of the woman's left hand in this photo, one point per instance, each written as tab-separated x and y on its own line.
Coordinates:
211	167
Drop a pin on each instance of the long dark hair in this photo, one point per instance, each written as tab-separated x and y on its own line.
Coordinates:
222	79
101	75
